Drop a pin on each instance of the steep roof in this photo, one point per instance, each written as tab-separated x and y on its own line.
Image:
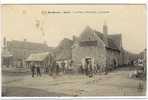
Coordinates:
111	44
37	56
100	35
63	50
112	40
64	54
116	38
87	29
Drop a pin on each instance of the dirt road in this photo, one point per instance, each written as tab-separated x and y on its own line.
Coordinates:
116	83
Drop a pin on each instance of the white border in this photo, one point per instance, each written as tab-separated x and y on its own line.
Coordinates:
70	1
78	2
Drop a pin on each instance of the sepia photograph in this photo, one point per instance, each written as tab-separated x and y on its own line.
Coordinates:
73	50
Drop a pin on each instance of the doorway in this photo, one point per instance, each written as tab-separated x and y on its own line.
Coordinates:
87	65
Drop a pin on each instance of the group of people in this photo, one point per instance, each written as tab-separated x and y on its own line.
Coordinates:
35	69
58	67
53	68
88	68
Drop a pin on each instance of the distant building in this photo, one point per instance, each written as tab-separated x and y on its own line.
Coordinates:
142	54
101	49
20	50
6	57
129	58
43	60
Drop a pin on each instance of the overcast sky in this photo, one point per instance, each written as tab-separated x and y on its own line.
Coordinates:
29	21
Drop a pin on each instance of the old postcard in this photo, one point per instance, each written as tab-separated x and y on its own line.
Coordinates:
73	50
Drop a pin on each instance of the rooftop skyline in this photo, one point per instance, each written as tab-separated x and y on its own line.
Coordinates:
38	23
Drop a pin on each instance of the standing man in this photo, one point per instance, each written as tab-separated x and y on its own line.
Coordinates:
63	66
106	70
57	68
38	70
33	69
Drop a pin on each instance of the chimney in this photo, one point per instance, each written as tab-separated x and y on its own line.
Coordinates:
105	28
45	42
5	42
74	38
105	33
25	40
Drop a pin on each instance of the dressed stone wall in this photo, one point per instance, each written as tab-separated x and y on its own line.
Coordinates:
97	52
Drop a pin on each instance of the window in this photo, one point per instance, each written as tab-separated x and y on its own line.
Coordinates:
88	43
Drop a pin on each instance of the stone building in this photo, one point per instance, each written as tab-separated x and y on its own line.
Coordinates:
63	53
20	50
101	49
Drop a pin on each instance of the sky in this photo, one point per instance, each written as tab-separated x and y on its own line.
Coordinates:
36	24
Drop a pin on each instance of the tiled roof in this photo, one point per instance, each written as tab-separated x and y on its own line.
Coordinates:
111	44
63	50
64	54
111	39
116	40
87	30
26	45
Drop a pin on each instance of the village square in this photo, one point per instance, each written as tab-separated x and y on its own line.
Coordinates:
94	64
73	50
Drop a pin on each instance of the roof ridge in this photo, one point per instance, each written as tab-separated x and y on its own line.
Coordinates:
29	42
114	34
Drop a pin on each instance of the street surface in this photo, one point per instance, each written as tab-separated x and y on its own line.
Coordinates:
115	83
